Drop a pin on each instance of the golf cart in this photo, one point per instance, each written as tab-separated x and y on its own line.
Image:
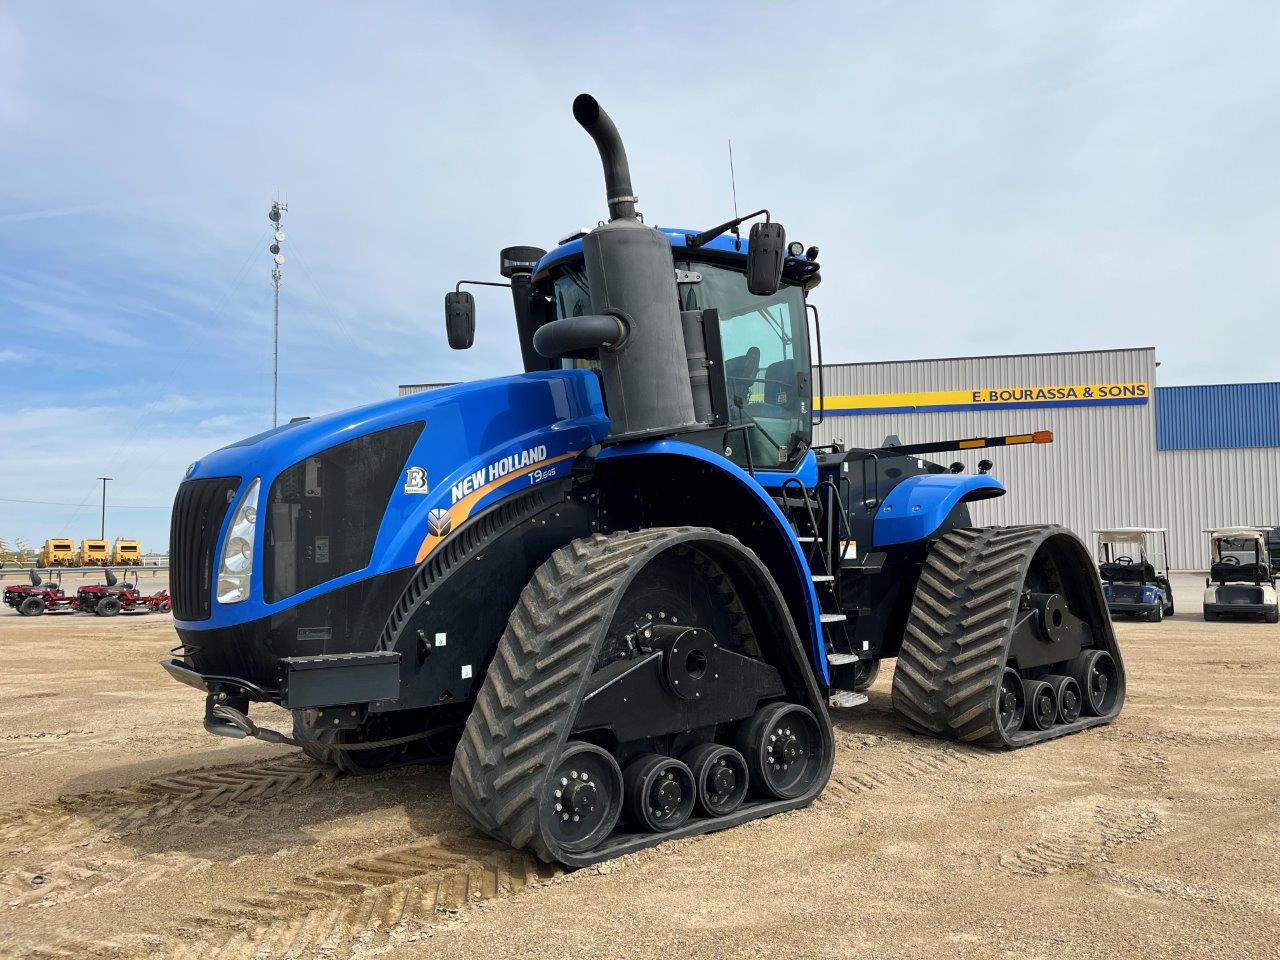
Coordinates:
1241	581
1133	563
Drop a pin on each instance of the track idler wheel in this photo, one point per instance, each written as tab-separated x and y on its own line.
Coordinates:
1012	702
583	797
1095	672
1042	705
659	792
720	774
1067	692
784	749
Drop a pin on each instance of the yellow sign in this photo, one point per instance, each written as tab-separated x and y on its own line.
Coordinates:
937	401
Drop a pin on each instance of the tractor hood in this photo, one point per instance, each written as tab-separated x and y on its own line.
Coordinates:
352	495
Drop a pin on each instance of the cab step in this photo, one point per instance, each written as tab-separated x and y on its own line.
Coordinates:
823	578
840	659
833	617
846	698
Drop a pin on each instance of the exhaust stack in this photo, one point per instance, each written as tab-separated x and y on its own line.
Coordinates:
613	156
632	276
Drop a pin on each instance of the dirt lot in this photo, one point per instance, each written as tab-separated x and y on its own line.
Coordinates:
125	830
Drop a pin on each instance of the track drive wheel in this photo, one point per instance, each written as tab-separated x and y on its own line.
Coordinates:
664	609
987	597
783	746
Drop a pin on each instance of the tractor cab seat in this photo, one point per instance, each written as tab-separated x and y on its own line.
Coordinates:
740	374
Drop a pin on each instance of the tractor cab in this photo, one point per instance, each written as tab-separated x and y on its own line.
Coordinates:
755	359
1133	563
1241	581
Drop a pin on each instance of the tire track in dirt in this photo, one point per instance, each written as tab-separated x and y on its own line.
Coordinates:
868	772
330	911
1079	835
173	802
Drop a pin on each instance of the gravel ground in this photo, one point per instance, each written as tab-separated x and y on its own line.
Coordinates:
126	831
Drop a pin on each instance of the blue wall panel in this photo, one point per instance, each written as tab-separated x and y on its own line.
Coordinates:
1218	417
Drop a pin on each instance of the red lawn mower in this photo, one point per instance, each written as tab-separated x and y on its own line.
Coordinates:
39	597
106	600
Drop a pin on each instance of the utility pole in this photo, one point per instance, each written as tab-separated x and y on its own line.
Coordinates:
277	211
102	530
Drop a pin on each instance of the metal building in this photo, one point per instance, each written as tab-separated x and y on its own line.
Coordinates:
1126	452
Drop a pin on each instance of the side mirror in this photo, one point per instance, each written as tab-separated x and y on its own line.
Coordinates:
767	245
460	319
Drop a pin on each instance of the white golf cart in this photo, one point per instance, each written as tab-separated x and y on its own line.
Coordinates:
1241	581
1133	563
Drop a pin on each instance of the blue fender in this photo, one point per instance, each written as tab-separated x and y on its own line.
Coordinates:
919	505
769	512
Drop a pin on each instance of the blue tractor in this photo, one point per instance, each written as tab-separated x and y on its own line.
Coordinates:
620	591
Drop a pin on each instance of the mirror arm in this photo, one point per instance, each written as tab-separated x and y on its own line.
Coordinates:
706	236
478	283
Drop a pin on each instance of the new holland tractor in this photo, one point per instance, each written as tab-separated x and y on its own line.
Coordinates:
619	591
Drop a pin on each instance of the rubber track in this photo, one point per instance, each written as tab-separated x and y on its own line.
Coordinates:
955	646
526	706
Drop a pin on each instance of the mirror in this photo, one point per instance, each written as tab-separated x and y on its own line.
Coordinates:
766	248
460	319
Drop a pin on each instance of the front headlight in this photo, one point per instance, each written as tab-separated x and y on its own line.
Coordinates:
235	568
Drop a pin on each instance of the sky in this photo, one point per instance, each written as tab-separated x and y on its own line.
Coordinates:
979	177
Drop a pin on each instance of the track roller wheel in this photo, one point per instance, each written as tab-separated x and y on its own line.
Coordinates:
1067	692
783	748
583	797
1013	701
720	774
1042	705
659	792
1095	672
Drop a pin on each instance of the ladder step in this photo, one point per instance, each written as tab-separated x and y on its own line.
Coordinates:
823	578
834	618
806	539
846	698
840	659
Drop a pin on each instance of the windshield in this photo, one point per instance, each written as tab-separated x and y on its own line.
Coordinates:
1243	549
766	354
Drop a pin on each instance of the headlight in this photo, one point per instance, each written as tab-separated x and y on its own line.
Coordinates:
235	569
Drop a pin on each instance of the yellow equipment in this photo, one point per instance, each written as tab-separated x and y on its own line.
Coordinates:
126	553
58	553
94	553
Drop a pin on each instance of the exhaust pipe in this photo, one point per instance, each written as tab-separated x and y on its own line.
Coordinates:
613	156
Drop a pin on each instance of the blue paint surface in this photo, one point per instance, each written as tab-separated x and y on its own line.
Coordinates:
919	505
1224	416
468	427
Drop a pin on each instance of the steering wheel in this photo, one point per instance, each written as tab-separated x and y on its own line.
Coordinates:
1128	560
1233	561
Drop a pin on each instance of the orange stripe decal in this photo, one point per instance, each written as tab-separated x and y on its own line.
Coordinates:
462	509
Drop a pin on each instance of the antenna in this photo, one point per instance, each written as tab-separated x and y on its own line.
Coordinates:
276	216
733	181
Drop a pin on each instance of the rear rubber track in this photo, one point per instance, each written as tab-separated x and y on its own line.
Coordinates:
957	637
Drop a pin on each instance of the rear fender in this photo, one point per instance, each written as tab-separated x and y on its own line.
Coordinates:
919	506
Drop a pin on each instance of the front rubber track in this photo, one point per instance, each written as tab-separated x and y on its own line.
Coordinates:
533	690
961	622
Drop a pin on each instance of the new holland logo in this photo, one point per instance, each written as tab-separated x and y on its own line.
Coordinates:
415	480
439	522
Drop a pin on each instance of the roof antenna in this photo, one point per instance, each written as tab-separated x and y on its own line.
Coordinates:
733	183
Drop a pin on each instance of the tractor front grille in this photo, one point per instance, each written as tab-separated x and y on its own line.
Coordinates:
198	511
